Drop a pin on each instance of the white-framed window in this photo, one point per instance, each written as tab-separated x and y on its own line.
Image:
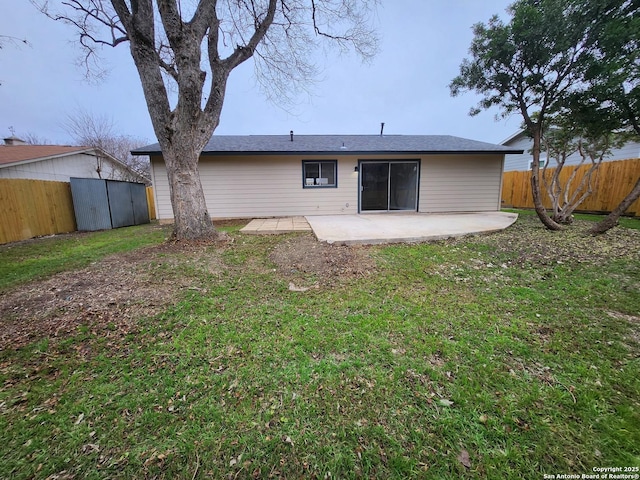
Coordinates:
319	173
543	161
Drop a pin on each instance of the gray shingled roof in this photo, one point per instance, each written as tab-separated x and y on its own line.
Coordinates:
339	144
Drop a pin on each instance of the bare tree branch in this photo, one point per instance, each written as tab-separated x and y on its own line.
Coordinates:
13	40
99	131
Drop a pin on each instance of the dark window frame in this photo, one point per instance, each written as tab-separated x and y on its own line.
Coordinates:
334	163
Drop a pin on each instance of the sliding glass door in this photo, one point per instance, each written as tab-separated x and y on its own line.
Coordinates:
388	185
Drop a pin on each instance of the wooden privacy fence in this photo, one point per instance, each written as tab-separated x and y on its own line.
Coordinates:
32	208
611	182
151	203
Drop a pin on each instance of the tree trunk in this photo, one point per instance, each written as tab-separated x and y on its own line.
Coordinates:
192	220
564	217
535	185
611	220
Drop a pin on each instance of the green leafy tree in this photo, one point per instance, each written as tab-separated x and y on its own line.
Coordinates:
612	93
612	70
529	66
191	47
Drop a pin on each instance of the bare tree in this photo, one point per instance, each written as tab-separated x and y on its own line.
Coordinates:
9	40
194	46
35	139
99	131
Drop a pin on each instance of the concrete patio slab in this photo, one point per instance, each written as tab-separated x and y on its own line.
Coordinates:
405	227
261	226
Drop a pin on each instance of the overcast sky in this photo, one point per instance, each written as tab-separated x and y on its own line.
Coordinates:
405	86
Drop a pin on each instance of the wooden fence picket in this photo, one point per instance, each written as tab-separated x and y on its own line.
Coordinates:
612	182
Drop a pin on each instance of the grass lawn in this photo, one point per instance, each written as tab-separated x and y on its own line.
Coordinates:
511	355
40	258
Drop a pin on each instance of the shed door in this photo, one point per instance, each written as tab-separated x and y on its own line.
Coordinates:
120	204
389	185
90	203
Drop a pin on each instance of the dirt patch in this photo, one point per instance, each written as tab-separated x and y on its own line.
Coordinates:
108	297
304	255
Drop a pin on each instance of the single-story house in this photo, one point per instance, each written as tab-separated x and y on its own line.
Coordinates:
291	175
520	162
60	163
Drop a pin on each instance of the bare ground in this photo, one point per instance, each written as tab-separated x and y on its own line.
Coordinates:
110	295
303	254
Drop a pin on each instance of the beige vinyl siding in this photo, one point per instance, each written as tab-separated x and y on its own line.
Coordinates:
160	184
264	186
271	185
460	183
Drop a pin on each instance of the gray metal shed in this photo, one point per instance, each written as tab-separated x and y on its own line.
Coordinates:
103	204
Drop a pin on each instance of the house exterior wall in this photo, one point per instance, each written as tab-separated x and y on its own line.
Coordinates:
262	186
523	161
61	169
460	183
239	186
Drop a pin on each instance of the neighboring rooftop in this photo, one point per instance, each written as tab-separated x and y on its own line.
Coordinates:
339	144
13	140
21	153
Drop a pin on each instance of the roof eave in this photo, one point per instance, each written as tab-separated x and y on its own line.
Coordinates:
48	157
512	137
345	152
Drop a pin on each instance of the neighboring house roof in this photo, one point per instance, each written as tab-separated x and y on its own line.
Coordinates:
516	136
338	144
14	154
523	141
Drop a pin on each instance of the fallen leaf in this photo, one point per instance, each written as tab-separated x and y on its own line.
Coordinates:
294	288
445	403
463	458
80	418
90	448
